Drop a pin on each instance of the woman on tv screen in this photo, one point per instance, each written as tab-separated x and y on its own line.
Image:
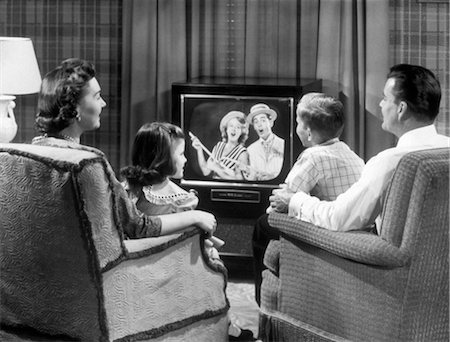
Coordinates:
228	156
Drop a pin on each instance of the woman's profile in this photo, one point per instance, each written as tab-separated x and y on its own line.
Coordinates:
69	104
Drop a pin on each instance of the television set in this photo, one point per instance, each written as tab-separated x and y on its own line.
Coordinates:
237	199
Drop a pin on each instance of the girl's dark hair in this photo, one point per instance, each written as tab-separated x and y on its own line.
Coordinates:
61	90
323	114
151	154
419	88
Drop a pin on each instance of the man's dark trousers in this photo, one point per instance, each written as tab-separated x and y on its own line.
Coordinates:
262	234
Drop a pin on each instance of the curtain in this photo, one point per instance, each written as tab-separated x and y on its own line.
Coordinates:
420	34
62	29
169	41
353	61
154	56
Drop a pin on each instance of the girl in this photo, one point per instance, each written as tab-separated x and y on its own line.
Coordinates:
158	155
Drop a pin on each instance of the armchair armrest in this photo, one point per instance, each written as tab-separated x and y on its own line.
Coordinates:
163	284
358	246
138	248
142	247
156	244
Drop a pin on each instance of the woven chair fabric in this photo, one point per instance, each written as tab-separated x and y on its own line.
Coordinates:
65	268
364	287
360	246
272	256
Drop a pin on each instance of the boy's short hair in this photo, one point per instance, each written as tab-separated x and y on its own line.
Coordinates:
323	114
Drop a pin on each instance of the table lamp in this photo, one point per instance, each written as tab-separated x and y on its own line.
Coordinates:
19	75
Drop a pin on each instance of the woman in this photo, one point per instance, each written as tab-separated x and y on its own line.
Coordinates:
69	104
229	155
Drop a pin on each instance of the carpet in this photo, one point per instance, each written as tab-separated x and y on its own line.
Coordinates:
243	307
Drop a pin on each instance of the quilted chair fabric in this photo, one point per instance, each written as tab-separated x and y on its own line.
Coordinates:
67	271
324	285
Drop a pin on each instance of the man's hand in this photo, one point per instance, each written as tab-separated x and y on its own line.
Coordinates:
279	200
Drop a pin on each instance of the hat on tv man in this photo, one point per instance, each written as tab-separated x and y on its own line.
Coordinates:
261	108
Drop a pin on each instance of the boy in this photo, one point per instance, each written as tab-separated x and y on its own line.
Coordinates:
326	168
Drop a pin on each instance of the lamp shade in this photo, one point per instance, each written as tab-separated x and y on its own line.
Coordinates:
19	70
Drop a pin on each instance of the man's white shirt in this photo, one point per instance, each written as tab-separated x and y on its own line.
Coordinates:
360	205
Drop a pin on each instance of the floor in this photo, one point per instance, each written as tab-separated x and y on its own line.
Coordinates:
241	292
243	307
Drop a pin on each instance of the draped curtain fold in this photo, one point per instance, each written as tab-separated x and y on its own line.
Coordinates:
167	41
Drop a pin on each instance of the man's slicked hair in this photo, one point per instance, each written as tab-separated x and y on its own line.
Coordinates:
419	88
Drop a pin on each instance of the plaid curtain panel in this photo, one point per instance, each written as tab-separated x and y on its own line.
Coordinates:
420	34
60	29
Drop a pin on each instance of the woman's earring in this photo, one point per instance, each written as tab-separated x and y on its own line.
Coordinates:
309	137
78	117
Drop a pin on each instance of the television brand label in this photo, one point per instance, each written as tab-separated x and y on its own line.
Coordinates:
232	195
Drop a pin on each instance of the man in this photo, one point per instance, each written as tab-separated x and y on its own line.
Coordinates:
410	104
267	153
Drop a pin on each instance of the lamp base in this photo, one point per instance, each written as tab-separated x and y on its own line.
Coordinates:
8	125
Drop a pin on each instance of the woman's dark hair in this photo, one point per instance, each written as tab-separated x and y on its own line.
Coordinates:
151	156
419	88
61	90
323	114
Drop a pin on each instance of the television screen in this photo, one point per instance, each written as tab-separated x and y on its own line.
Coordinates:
234	181
237	139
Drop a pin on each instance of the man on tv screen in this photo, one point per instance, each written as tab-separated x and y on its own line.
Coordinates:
266	154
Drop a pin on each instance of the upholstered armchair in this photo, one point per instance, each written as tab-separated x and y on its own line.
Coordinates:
68	272
322	285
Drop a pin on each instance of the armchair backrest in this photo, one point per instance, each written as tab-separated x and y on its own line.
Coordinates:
57	232
417	196
416	219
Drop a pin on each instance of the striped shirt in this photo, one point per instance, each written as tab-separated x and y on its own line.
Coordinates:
325	170
231	159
